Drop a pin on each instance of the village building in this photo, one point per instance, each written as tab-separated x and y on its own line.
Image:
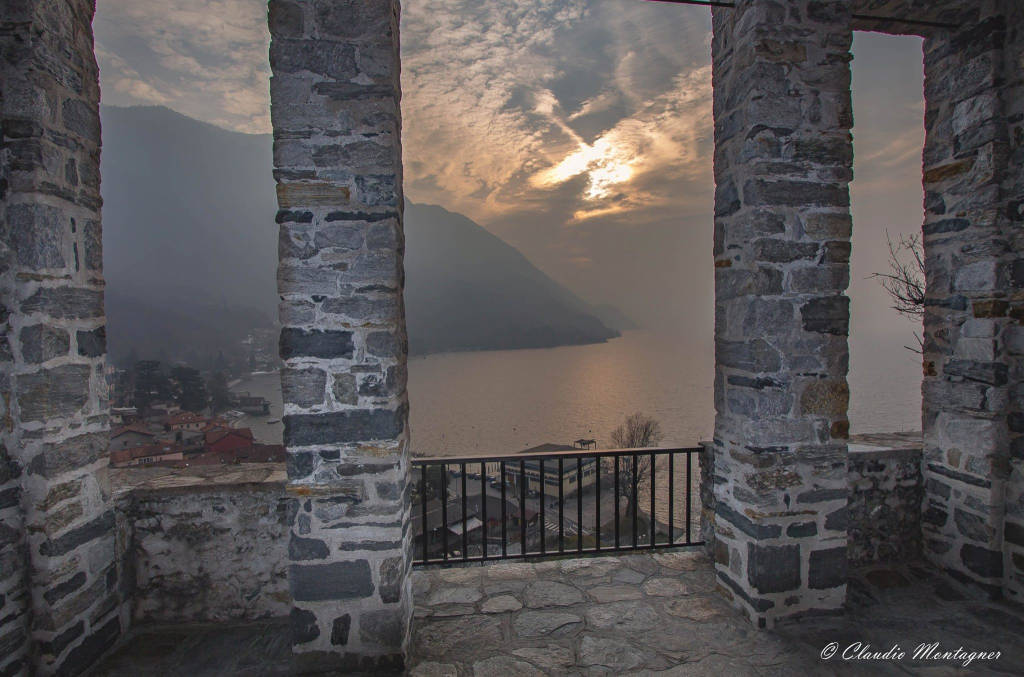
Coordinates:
123	415
185	420
252	404
134	435
567	476
147	455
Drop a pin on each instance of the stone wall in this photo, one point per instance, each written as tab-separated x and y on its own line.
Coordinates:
884	506
14	584
52	350
337	160
205	546
783	158
972	239
706	495
1013	190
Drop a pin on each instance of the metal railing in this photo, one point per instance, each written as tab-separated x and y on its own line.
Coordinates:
478	508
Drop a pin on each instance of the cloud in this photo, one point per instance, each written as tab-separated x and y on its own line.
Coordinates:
555	123
501	101
204	58
515	103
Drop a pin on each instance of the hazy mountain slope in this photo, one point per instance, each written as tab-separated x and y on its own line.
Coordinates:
468	290
613	317
190	253
190	243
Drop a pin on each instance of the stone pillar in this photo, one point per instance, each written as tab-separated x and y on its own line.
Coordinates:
972	340
14	584
783	162
1013	190
337	160
55	408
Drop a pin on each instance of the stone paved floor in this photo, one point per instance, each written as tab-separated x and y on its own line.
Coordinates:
241	650
659	614
636	614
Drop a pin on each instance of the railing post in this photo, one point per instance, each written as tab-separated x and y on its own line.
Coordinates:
616	504
483	507
689	494
672	497
561	507
579	505
423	514
465	520
444	512
522	507
543	514
635	497
504	520
597	507
654	521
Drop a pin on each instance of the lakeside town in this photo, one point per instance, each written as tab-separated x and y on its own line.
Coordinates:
182	439
176	415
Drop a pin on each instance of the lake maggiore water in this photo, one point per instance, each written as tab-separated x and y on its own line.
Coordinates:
503	401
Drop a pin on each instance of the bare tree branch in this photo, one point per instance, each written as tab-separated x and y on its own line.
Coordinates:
905	281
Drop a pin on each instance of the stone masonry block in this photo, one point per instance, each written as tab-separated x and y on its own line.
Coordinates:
304	387
827	315
827	568
53	393
344	427
64	303
40	343
773	568
980	276
334	581
315	343
37	234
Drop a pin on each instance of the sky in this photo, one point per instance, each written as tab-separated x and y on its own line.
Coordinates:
579	131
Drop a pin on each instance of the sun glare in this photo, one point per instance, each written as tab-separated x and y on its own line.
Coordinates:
605	164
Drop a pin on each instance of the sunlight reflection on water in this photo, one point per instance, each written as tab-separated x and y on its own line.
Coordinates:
505	401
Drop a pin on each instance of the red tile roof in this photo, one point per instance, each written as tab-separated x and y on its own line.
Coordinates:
184	417
133	428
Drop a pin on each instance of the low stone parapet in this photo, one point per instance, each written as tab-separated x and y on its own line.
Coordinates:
204	544
884	506
884	502
211	543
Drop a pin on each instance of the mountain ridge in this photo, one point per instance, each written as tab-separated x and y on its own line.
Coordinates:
190	249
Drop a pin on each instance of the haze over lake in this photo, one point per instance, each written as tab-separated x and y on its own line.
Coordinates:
503	401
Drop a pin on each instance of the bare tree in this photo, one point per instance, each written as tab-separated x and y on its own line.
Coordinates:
638	430
905	281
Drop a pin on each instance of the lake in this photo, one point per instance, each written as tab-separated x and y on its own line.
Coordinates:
507	400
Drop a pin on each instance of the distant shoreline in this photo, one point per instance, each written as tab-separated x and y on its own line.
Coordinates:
416	355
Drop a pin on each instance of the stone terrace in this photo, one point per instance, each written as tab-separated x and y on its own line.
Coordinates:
789	506
635	614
